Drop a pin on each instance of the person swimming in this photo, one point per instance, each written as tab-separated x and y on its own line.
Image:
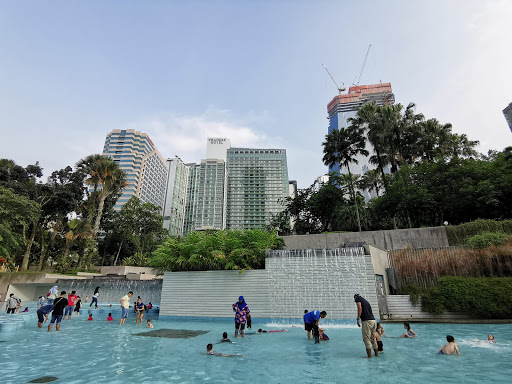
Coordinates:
450	348
491	339
210	351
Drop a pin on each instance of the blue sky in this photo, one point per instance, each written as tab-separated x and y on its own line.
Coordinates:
71	71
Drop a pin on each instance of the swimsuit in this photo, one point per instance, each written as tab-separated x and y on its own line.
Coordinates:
441	352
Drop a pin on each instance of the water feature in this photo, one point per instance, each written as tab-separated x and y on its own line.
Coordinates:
86	352
111	290
323	279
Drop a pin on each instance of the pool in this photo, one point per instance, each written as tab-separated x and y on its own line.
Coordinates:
101	352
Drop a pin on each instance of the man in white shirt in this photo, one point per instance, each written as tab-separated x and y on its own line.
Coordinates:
125	305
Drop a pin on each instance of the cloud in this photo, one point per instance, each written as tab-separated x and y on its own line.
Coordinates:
185	135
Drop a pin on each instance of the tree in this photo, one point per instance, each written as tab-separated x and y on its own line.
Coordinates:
371	181
341	147
136	229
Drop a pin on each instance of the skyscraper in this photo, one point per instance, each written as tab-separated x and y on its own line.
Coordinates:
343	107
257	182
507	112
145	167
231	188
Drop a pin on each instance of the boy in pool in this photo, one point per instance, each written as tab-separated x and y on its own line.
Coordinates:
380	346
450	348
316	331
210	351
149	324
90	317
110	318
491	339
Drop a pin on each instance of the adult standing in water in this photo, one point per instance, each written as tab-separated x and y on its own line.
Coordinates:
309	320
125	305
241	310
52	295
95	297
369	326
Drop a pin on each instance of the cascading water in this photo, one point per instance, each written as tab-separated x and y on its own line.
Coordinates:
319	279
112	290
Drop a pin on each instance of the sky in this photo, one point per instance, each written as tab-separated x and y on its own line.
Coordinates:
251	71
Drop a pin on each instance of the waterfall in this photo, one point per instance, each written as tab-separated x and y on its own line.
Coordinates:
319	279
111	290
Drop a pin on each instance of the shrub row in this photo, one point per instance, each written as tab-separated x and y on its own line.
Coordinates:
481	296
458	234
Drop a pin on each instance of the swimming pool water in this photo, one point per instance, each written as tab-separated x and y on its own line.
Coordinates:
101	352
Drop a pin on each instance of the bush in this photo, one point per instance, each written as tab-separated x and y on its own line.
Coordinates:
486	240
458	234
216	250
482	296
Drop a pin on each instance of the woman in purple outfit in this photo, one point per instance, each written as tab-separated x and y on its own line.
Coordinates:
241	310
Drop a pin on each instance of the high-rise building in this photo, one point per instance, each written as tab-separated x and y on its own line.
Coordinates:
231	188
343	107
175	196
257	183
145	167
507	112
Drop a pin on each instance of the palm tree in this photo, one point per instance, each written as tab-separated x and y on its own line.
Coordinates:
341	147
106	178
371	181
76	229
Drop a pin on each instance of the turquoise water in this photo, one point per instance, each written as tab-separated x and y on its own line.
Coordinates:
101	352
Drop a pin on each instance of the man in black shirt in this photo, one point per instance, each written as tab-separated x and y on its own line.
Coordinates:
364	313
58	310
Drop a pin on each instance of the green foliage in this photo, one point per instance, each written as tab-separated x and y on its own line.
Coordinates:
215	250
414	291
137	260
483	297
486	240
458	234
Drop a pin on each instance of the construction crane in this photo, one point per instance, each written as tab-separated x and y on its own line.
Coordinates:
362	69
340	89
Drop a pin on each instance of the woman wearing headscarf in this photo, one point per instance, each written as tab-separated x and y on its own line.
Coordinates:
95	297
241	310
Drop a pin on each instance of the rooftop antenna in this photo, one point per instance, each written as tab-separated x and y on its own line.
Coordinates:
364	63
340	89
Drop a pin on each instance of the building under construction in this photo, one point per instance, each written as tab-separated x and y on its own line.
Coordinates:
344	106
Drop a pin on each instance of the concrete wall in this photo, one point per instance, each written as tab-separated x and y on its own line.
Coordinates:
385	240
401	308
124	270
380	263
211	293
292	281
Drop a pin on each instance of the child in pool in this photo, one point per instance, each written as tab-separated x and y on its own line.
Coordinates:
410	333
271	331
491	339
450	348
90	317
316	332
225	338
323	335
110	318
149	324
210	351
379	341
380	330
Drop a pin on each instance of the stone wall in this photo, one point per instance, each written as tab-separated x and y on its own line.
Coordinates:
400	308
433	237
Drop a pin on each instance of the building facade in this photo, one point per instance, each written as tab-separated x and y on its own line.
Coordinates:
145	168
231	188
257	184
507	112
343	107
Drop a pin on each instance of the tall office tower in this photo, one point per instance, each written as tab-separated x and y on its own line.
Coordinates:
175	196
257	181
145	167
206	189
343	107
507	112
205	196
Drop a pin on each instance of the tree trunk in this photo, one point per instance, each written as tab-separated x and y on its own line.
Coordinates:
43	249
118	252
355	199
26	256
66	251
98	216
381	168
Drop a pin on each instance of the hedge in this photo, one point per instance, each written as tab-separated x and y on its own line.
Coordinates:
458	234
484	297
